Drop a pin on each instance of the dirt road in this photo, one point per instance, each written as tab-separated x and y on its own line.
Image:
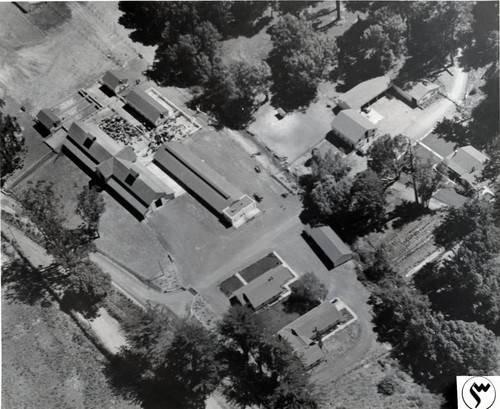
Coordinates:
418	129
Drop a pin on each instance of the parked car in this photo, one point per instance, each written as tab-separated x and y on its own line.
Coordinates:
258	198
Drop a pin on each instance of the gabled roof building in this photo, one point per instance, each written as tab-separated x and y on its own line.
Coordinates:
138	189
48	119
308	330
352	127
365	93
329	244
115	81
148	104
466	165
205	184
265	289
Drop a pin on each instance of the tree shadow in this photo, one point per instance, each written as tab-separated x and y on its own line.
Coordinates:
406	212
24	284
124	372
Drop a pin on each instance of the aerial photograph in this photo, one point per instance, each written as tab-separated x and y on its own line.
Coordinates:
250	204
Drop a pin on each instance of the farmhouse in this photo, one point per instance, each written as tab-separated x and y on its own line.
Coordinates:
265	289
212	189
133	184
465	165
150	104
48	119
329	244
352	127
305	332
115	81
418	94
365	93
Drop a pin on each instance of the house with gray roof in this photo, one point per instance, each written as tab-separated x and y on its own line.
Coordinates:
465	165
306	332
352	127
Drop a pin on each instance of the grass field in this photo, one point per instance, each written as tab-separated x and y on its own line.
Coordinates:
48	363
69	45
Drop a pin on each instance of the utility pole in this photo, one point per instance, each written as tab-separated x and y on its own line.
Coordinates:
412	168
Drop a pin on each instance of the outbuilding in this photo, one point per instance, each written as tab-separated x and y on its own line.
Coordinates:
329	244
365	93
49	120
115	81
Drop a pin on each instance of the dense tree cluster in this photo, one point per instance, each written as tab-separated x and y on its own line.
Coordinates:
84	285
11	144
234	91
352	206
423	36
390	157
465	285
299	61
433	348
179	364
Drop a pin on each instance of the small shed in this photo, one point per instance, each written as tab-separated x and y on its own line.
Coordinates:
329	244
48	119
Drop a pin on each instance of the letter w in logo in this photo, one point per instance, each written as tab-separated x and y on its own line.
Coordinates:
480	388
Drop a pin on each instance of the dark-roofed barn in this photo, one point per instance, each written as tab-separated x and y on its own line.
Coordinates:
48	119
115	81
329	244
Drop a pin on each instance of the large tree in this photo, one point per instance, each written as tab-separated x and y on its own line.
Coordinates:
389	157
367	207
11	144
307	292
261	369
299	60
371	47
44	208
234	91
459	223
90	207
329	200
328	164
190	371
86	288
428	179
189	60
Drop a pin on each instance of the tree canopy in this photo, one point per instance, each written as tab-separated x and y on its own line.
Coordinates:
90	207
307	292
262	369
299	61
11	144
234	91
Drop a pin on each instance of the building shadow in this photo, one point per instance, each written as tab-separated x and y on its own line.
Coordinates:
317	250
44	132
336	141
